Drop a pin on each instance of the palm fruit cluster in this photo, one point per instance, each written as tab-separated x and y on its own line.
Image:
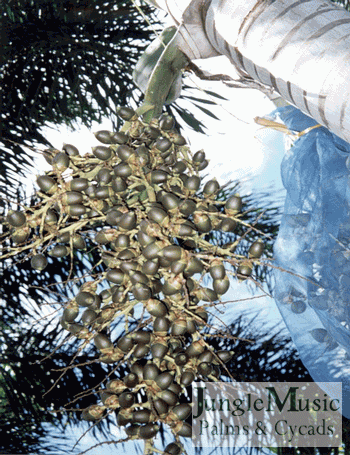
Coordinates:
138	199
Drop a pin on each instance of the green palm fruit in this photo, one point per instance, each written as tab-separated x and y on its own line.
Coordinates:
148	431
221	286
123	170
159	350
161	326
205	368
206	356
70	149
127	221
198	157
173	449
141	336
47	184
175	387
207	295
181	359
150	372
156	307
211	188
179	167
179	327
191	326
151	266
185	430
233	205
166	122
195	349
169	397
104	176
178	139
142	154
187	378
126	399
84	298
125	152
162	144
16	218
161	407
102	342
78	330
119	137
159	216
126	113
105	137
126	255
76	210
204	164
132	430
182	411
217	270
125	343
152	250
20	235
124	417
78	184
102	153
60	162
64	237
141	350
142	416
141	292
104	192
129	267
88	317
72	197
227	225
163	380
194	266
202	222
172	285
224	356
59	251
113	217
50	217
256	249
78	242
245	269
157	177
70	314
38	262
151	132
137	369
187	207
192	184
118	185
175	345
178	267
138	277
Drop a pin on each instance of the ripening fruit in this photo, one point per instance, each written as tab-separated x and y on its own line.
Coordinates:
38	262
256	249
126	113
60	162
70	149
16	218
59	251
102	341
46	184
233	205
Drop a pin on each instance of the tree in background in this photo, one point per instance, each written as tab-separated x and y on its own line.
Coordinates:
43	103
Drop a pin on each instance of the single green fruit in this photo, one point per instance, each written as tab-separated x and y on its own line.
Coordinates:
16	218
59	251
60	161
70	149
47	184
126	113
38	262
102	341
76	210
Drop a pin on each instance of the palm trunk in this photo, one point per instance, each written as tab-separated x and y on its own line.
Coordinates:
298	48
